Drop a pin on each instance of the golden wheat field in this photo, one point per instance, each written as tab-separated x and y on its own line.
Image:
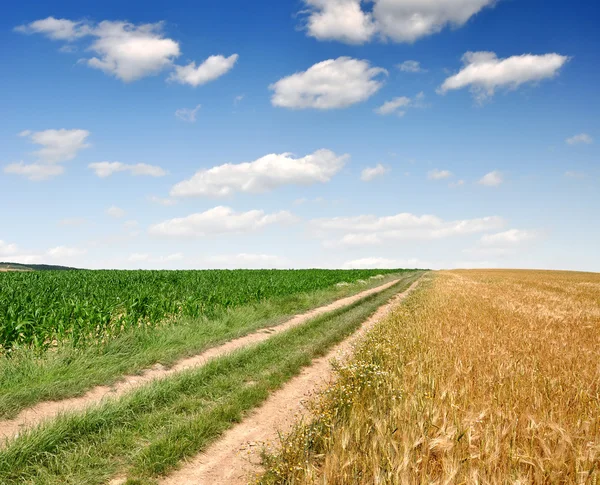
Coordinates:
479	377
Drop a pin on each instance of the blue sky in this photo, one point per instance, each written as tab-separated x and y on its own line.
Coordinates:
309	133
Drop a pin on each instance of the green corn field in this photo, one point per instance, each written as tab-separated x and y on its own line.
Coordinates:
40	309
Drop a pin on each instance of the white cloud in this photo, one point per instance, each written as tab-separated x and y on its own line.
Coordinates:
73	222
261	175
187	114
484	72
238	99
124	50
211	69
130	52
342	20
491	179
371	230
398	105
219	220
7	249
384	263
60	252
330	84
34	171
369	173
508	238
106	169
398	20
247	261
409	20
57	145
167	202
393	105
438	174
115	212
56	29
579	139
411	66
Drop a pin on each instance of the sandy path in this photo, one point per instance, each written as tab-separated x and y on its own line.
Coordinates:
49	409
235	457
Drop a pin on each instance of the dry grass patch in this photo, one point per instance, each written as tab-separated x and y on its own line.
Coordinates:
479	377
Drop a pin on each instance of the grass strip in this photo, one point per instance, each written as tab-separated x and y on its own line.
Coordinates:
147	433
28	378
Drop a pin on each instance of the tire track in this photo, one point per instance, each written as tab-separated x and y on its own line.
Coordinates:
235	457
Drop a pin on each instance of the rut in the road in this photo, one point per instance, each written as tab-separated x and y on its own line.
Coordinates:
235	457
50	409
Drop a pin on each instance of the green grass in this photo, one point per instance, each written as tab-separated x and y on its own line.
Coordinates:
148	432
27	377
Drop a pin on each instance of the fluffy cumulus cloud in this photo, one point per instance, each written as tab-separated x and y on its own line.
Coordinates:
247	260
491	179
400	104
342	20
334	83
129	51
211	69
261	175
582	138
411	66
188	114
370	173
356	21
484	72
106	169
368	230
219	220
437	174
